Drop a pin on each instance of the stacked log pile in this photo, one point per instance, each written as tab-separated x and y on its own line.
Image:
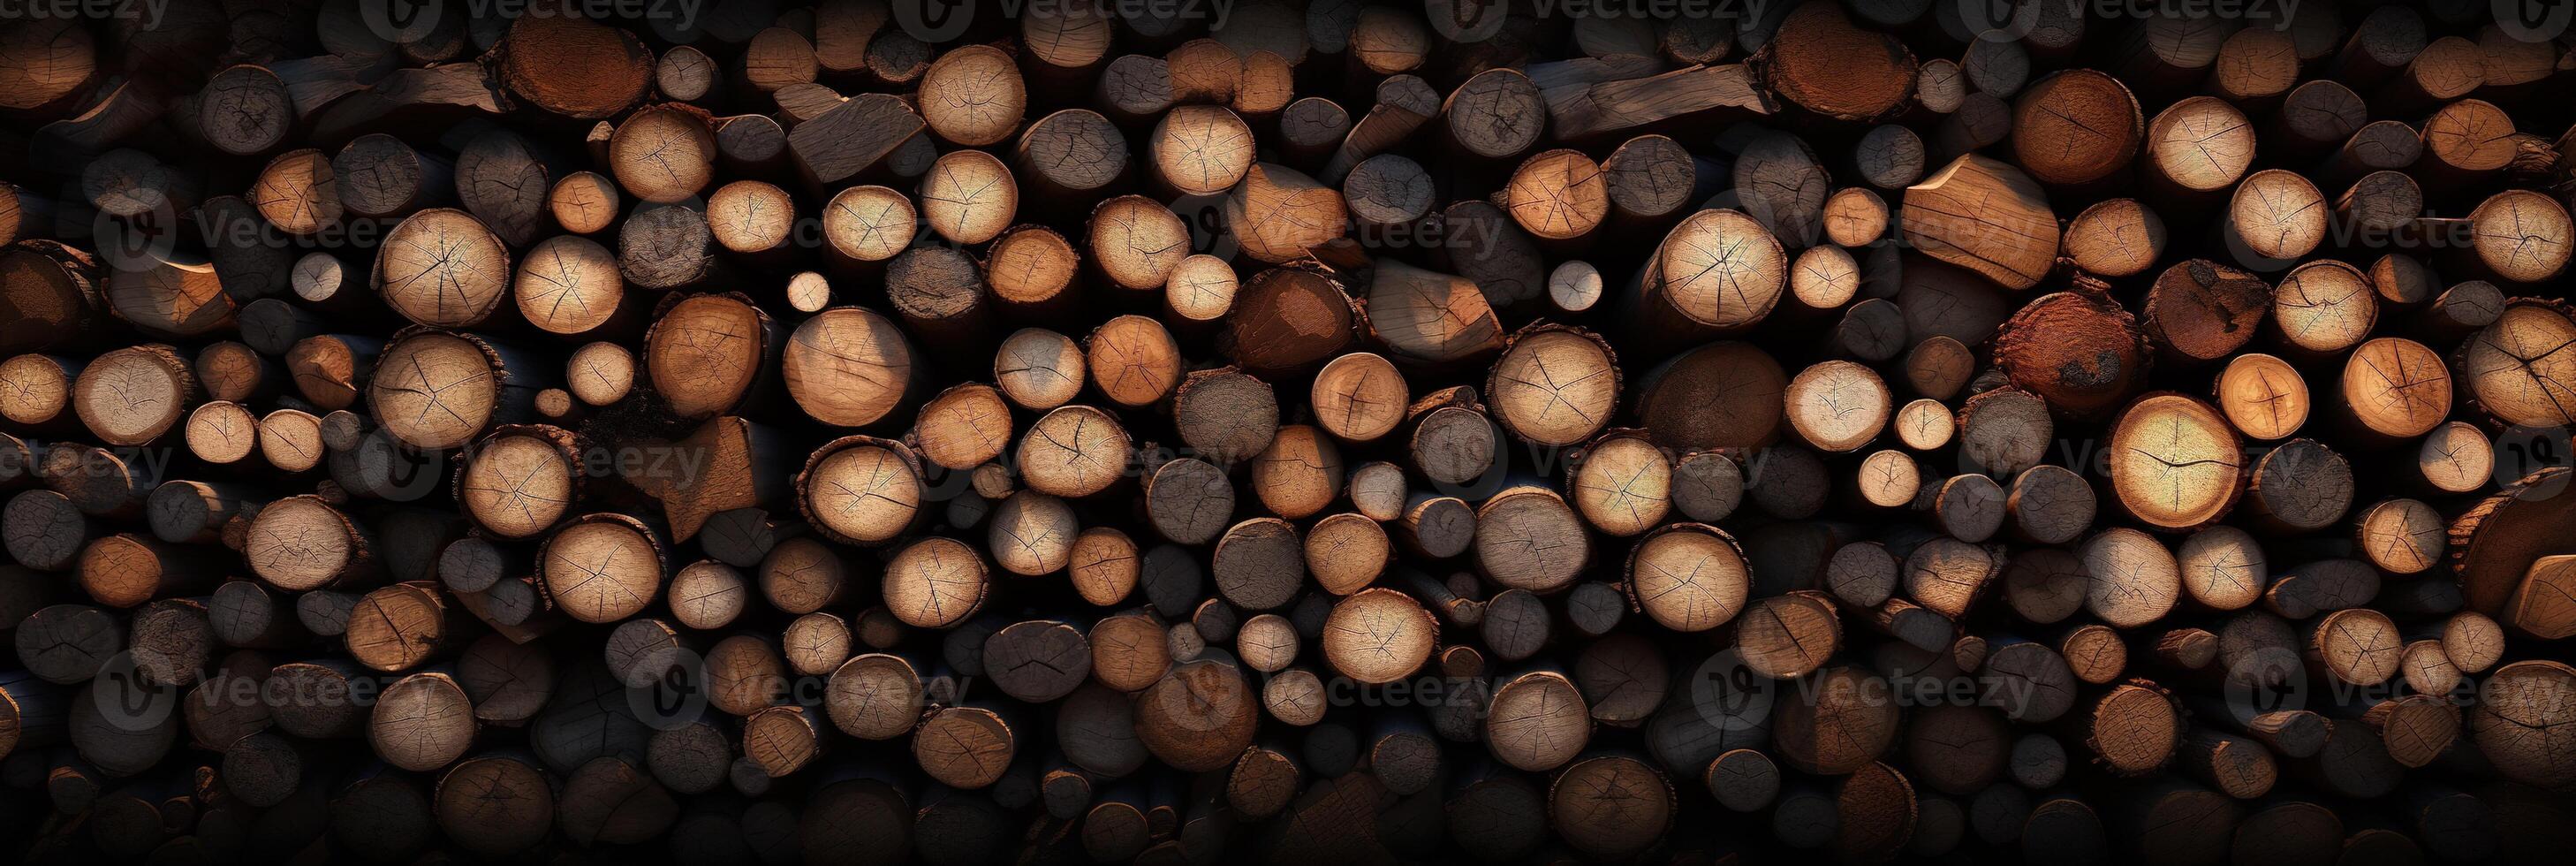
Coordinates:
1333	431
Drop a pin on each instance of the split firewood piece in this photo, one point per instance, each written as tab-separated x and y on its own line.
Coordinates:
1635	99
1287	319
1277	214
738	464
853	136
1404	103
2535	607
1431	319
1985	216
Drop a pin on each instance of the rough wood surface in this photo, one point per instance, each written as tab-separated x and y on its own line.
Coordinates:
1320	432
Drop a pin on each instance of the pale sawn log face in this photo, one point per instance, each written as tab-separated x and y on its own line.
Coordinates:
807	428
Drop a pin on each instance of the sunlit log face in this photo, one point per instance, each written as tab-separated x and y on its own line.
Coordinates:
2174	462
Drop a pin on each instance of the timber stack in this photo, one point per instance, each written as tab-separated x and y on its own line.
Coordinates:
1329	431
